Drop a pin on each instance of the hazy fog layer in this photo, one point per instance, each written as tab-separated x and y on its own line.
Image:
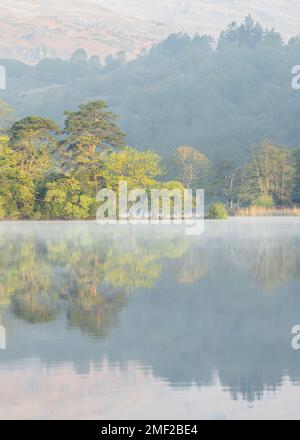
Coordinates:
31	29
211	15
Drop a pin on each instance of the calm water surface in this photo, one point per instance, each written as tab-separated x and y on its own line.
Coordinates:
146	322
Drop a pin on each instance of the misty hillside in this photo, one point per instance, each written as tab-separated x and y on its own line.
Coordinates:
184	91
33	29
206	16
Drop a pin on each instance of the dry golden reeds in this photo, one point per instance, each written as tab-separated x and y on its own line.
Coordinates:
259	211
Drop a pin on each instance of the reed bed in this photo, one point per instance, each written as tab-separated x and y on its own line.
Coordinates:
257	211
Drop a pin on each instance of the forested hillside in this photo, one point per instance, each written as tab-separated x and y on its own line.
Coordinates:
219	96
33	29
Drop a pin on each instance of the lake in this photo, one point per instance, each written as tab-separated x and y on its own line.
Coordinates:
145	322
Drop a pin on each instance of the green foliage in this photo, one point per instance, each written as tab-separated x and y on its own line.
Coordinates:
248	34
270	173
226	182
6	116
173	184
217	211
90	131
263	202
49	174
64	200
33	138
138	168
92	127
190	166
36	180
185	91
17	192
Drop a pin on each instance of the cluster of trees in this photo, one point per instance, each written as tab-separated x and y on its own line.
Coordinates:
269	177
50	173
79	65
222	96
47	172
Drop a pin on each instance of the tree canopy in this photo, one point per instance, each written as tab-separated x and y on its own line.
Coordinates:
221	96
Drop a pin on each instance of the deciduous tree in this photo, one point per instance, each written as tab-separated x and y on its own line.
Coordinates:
190	165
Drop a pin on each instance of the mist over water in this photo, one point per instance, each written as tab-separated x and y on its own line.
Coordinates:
115	322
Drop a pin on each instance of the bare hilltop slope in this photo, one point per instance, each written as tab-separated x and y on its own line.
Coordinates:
32	29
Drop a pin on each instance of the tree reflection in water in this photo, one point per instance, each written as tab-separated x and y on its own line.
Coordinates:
193	305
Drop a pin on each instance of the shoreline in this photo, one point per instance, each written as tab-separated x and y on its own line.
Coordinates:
139	223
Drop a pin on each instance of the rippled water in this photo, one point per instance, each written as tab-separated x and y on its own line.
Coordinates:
146	322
